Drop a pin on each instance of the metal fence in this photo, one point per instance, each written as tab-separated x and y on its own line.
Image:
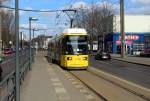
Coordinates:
7	83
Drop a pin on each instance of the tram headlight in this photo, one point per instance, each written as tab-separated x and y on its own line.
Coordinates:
85	58
69	58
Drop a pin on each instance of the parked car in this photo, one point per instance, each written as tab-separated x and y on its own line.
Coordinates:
102	55
8	51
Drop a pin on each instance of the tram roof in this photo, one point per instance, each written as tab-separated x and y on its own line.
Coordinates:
70	31
74	31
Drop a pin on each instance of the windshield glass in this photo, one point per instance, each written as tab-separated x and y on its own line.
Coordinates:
76	45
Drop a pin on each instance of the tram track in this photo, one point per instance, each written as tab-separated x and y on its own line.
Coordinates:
129	90
102	96
134	73
98	94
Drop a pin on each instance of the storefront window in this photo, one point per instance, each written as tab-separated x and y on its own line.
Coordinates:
138	48
147	45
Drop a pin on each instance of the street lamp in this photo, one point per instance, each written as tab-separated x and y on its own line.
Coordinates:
30	20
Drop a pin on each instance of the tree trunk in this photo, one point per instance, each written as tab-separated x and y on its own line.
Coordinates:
103	41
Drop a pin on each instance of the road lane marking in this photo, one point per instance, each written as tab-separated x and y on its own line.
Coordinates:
57	84
75	82
71	79
79	86
62	93
90	97
83	90
64	97
55	80
60	90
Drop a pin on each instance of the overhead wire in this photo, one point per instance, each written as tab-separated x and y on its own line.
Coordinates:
59	15
29	10
35	10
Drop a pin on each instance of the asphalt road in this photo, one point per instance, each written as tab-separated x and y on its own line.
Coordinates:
132	72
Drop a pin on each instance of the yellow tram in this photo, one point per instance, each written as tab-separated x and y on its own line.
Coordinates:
70	49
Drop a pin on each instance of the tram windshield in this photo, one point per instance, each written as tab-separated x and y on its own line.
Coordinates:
76	45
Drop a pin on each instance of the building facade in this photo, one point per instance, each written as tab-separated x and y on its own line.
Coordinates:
137	36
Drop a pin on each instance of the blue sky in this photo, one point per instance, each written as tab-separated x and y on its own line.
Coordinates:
48	20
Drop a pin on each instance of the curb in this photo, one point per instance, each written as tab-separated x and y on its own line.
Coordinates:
130	61
129	86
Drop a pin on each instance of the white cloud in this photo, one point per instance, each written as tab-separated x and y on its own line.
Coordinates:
76	5
43	29
116	6
34	25
21	13
47	14
141	10
141	2
139	7
80	4
28	8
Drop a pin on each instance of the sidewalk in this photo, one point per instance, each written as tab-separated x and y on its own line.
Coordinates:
132	59
48	82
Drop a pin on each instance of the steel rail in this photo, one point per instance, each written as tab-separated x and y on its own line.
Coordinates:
118	85
94	91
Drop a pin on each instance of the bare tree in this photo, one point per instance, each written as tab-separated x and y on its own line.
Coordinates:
104	23
7	25
8	31
98	20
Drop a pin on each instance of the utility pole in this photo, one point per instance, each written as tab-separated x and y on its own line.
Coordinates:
92	25
21	40
122	28
0	29
17	71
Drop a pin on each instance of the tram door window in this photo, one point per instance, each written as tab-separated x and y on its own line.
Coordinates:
63	46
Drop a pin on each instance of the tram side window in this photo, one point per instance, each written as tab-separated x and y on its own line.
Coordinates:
60	47
63	46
